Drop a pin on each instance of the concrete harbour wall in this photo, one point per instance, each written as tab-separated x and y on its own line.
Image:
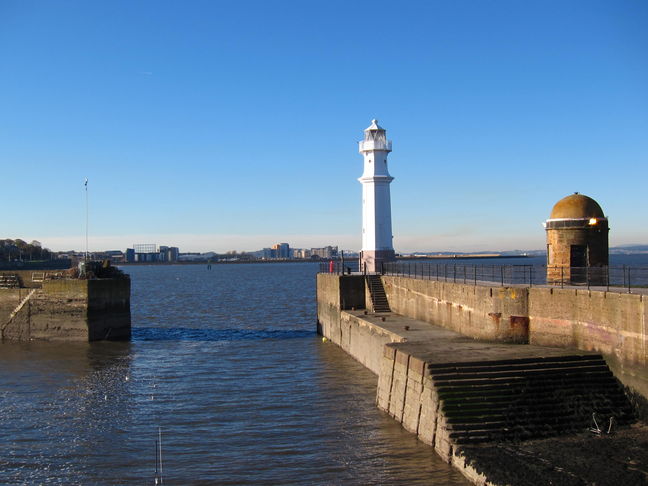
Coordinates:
471	379
481	312
611	323
356	336
67	310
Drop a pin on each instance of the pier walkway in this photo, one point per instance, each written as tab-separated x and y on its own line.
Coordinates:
617	279
468	398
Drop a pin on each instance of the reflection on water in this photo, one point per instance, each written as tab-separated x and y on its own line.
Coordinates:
57	404
189	334
227	363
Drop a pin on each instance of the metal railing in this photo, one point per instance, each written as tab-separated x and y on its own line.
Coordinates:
340	266
380	144
612	277
492	274
621	278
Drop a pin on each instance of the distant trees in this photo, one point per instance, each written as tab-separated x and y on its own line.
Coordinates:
12	250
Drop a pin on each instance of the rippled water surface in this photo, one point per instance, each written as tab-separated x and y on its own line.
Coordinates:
227	362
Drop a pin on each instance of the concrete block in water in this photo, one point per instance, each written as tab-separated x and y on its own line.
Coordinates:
68	310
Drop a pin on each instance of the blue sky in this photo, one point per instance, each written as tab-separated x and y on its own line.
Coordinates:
233	125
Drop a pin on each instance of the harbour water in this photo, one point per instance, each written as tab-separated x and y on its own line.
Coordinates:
226	361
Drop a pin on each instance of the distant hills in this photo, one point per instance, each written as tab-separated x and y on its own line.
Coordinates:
629	249
616	250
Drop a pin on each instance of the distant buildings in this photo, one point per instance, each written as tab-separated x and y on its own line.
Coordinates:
282	251
169	253
278	251
327	252
301	253
115	256
151	253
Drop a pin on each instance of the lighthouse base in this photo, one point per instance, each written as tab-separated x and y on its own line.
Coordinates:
371	261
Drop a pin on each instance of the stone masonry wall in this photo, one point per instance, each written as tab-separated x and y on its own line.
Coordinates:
481	312
356	336
407	393
68	310
611	323
109	309
559	243
335	293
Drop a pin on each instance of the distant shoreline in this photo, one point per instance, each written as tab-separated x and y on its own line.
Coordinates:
205	262
459	256
477	256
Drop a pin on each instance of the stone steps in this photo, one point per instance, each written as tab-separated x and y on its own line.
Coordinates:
522	363
548	411
490	377
457	386
525	399
535	396
377	294
479	402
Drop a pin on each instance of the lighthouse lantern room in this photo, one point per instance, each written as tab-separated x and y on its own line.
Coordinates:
377	246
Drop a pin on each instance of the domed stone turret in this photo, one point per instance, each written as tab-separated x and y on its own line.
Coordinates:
577	241
576	206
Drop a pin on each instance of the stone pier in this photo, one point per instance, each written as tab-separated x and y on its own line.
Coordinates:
66	309
473	383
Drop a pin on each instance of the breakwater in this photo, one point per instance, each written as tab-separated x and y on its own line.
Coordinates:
64	309
611	323
472	378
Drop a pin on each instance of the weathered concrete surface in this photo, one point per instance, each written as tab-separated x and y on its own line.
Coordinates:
9	300
406	387
409	348
69	310
611	323
407	392
359	335
109	309
481	312
335	293
620	458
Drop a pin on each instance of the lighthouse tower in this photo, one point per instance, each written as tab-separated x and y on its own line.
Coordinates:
377	246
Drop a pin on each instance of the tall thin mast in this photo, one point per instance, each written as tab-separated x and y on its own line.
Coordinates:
87	218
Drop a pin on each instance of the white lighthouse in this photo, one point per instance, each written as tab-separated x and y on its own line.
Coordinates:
377	246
